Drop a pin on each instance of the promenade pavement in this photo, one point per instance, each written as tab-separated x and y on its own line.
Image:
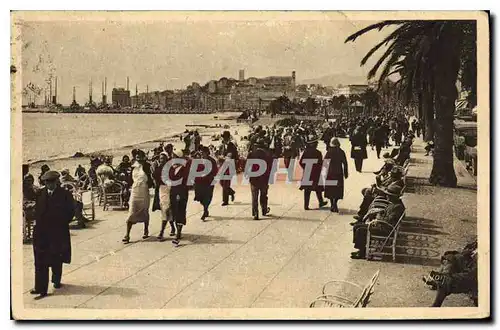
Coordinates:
232	261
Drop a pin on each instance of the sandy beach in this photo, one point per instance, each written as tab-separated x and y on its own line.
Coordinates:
238	131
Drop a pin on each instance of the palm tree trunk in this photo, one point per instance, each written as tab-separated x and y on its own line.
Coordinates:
446	73
428	112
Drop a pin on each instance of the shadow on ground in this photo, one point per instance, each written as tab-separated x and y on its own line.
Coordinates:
74	289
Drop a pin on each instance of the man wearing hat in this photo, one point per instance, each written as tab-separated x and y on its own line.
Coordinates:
228	150
379	138
385	171
311	176
391	214
358	147
260	184
51	237
369	194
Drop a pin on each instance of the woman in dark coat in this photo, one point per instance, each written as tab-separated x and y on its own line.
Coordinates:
179	194
310	181
358	147
336	171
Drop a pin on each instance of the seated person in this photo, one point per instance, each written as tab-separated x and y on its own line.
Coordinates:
410	135
30	192
394	182
26	172
66	177
69	183
80	172
124	170
429	148
391	214
82	179
457	274
404	153
45	168
106	173
386	168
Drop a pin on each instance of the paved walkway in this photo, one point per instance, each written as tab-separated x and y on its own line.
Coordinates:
233	261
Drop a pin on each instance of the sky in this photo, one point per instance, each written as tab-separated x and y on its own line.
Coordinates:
174	53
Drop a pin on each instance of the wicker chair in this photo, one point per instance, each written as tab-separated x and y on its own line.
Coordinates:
375	244
86	197
358	296
112	195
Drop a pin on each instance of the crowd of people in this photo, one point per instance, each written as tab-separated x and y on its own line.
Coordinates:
134	176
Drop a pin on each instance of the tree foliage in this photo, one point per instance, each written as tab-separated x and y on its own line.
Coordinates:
427	58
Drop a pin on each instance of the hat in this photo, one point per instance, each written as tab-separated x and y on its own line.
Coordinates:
397	170
334	142
50	176
311	138
226	134
260	143
65	172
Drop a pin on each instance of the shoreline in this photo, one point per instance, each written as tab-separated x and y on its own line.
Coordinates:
105	151
70	162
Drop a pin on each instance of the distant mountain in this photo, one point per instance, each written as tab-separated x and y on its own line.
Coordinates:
335	79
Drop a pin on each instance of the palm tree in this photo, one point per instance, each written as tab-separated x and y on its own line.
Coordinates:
370	98
428	56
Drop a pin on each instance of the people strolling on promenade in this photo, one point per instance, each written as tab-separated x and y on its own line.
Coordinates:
162	197
139	194
259	184
227	151
336	171
204	184
312	163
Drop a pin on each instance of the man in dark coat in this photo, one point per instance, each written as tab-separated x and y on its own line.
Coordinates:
203	186
228	151
51	237
379	138
358	147
290	146
260	184
311	181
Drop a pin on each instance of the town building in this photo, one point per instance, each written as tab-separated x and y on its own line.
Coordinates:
350	90
121	97
225	94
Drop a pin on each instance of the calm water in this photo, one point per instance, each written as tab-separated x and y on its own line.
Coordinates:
49	136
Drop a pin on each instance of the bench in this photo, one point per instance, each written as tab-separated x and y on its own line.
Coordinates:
360	297
375	244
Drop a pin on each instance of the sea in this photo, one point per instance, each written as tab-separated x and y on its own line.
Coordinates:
51	136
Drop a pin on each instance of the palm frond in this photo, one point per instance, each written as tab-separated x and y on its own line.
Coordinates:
377	26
